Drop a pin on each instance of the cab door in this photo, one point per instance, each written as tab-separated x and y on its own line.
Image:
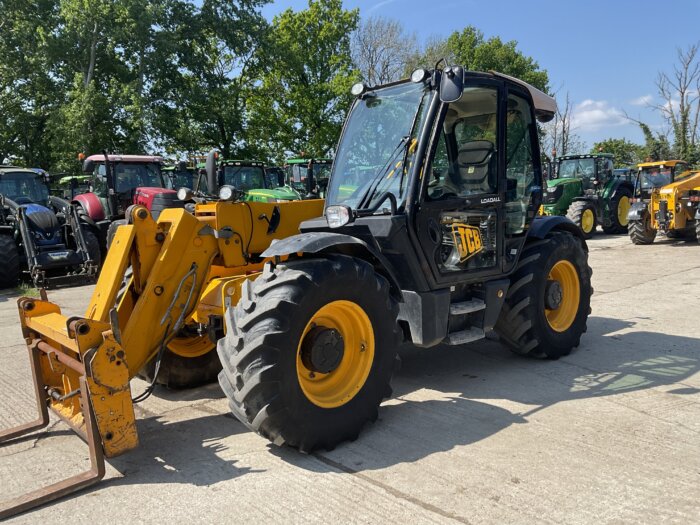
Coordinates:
478	184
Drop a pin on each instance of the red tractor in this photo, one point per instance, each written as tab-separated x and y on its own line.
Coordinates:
117	182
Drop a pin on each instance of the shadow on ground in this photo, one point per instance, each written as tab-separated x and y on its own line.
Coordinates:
607	364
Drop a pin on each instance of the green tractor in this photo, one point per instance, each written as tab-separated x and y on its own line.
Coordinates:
246	177
587	190
309	176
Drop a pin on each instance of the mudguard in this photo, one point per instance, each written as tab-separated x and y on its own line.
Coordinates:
317	242
92	205
542	225
637	211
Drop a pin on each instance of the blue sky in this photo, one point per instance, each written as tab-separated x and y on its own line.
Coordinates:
607	55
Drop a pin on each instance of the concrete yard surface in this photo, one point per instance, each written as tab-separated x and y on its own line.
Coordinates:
473	434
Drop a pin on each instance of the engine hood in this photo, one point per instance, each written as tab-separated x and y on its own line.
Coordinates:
553	183
41	220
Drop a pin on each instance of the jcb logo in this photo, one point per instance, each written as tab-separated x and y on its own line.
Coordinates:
467	240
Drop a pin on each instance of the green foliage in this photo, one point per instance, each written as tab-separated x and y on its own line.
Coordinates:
656	146
469	48
306	78
626	153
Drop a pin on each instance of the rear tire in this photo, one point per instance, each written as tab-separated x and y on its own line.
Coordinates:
697	229
582	214
526	325
264	373
619	207
9	262
112	230
178	372
93	246
641	232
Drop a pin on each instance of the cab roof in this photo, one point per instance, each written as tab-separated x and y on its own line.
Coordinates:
660	163
235	162
127	158
299	160
545	106
15	169
588	156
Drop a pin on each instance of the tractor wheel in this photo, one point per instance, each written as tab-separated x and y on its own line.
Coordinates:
190	359
619	208
582	213
697	229
310	350
9	262
112	230
548	302
641	232
93	246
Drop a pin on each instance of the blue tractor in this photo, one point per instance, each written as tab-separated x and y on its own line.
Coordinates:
41	234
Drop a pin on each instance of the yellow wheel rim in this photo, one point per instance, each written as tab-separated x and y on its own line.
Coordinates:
190	346
339	386
560	319
587	220
623	208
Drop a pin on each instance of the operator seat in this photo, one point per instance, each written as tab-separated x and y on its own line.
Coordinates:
476	167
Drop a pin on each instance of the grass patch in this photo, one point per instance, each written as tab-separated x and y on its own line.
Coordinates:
25	289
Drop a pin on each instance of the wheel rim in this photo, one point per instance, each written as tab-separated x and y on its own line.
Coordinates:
190	346
623	208
587	220
561	318
340	385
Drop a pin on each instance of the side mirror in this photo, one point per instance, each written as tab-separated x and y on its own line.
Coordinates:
88	166
211	169
451	84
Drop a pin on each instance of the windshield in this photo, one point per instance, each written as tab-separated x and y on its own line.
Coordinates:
183	179
24	188
380	132
576	168
132	175
297	174
654	177
244	178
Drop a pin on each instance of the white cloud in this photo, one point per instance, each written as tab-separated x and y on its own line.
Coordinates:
644	100
593	115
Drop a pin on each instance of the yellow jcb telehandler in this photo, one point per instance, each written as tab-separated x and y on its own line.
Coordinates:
429	235
673	209
157	310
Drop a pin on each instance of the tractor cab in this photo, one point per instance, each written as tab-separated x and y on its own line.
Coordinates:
117	182
24	187
182	175
592	170
245	180
309	176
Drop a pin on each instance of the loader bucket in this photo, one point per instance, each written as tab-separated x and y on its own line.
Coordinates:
79	373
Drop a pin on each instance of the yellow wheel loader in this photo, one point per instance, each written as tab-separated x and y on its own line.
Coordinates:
160	303
673	209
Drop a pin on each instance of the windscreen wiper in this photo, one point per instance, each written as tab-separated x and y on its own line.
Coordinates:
376	181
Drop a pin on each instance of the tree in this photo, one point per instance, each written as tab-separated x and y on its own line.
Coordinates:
381	49
558	137
306	79
469	48
680	93
626	153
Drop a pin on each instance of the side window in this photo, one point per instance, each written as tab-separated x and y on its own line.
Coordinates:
465	158
520	168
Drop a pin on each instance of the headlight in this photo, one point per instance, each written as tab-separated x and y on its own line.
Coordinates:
338	216
185	194
227	193
358	89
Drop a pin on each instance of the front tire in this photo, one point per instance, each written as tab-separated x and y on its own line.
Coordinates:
9	262
641	232
93	246
547	305
310	350
582	214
